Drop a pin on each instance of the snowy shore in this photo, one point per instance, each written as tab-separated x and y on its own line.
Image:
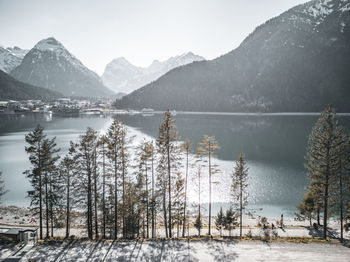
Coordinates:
179	250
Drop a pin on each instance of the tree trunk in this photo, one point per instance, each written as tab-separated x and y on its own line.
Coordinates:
103	193
199	199
153	202
184	217
95	195
169	178
240	208
51	208
89	206
40	193
115	196
325	214
68	205
47	207
147	207
164	211
209	231
123	185
341	201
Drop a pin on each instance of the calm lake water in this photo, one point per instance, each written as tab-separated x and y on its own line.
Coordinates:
274	146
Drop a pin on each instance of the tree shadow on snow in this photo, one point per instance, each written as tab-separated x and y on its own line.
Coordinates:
222	250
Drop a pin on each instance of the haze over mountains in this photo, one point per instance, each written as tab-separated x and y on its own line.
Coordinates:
122	76
49	64
298	61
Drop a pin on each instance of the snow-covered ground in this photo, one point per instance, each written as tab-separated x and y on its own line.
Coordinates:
182	250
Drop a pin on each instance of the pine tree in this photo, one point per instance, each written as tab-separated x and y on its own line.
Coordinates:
179	201
103	150
132	206
50	182
198	224
187	148
346	184
220	221
169	150
150	150
114	151
124	155
239	187
206	148
342	178
35	174
68	170
95	187
230	220
307	207
162	183
197	182
86	158
143	180
323	159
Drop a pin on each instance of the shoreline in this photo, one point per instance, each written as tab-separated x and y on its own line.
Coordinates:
12	216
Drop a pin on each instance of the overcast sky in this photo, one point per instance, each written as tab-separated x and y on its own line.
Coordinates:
139	30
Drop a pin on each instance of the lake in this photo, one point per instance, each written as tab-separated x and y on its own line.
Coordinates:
274	146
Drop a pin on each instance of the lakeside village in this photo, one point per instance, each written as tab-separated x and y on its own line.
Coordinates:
66	106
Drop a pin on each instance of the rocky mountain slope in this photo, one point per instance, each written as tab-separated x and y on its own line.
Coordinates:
122	76
298	61
49	64
11	57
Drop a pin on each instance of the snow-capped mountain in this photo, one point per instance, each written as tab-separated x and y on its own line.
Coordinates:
122	76
49	64
11	57
297	61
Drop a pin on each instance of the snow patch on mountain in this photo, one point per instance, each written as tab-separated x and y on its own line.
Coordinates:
321	8
11	57
57	49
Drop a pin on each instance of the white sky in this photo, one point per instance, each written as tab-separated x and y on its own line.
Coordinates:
139	30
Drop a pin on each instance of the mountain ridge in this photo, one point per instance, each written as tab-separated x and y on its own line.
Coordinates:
11	57
122	76
296	61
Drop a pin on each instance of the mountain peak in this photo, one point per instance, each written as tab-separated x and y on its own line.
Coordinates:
121	60
49	64
49	44
11	57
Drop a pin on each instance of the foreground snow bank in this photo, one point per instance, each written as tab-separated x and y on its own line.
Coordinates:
177	250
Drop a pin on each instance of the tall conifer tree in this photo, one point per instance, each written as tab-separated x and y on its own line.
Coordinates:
206	149
323	159
239	187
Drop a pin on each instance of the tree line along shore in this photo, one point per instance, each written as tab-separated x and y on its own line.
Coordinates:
128	192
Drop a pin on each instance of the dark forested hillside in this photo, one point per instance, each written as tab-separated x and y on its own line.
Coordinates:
298	61
12	89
